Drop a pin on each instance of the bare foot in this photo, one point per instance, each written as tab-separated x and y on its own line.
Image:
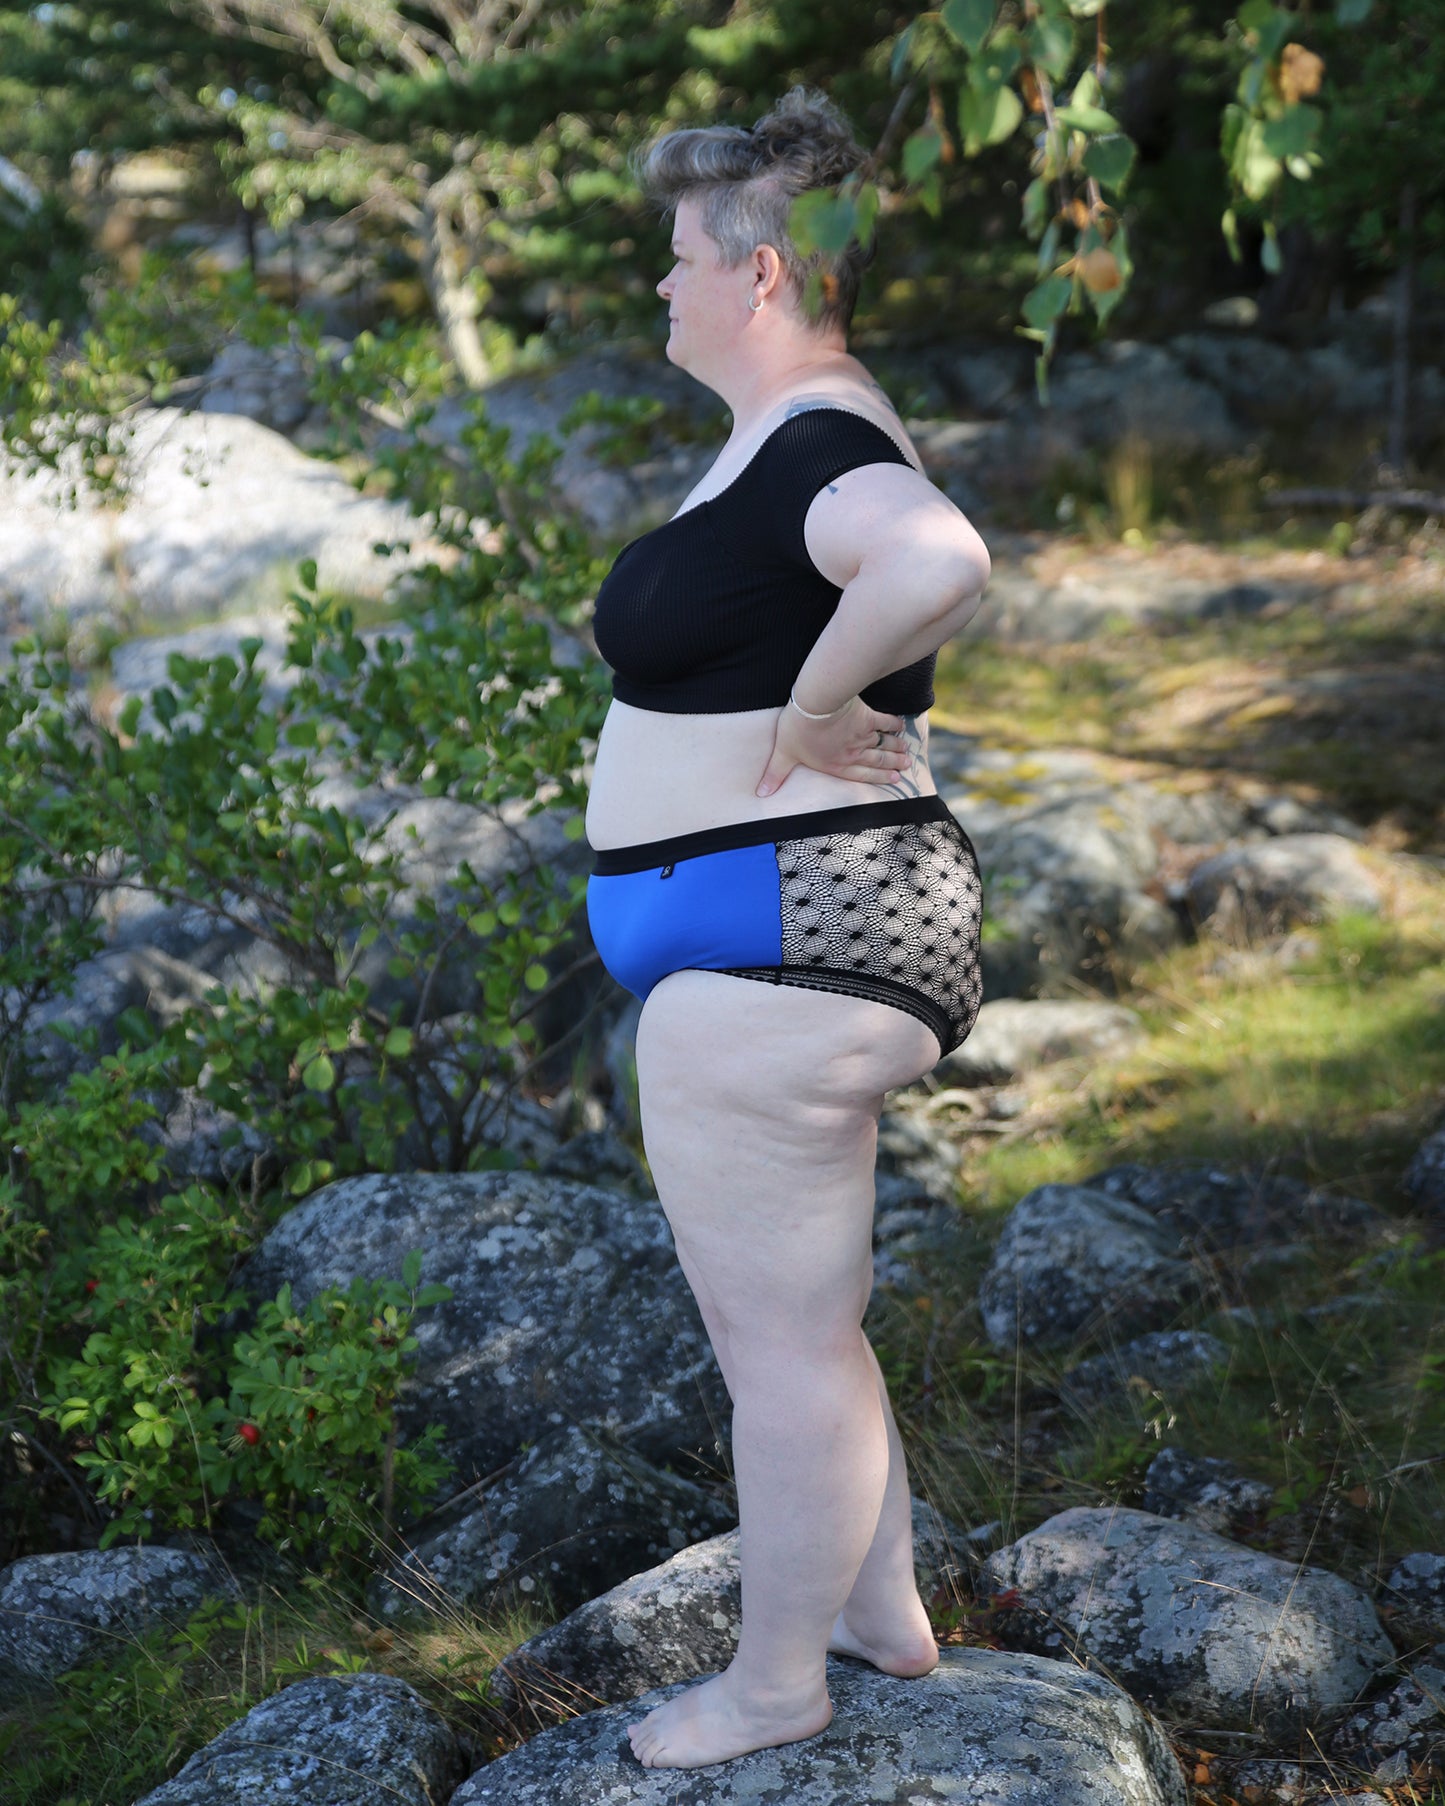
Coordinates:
710	1723
907	1653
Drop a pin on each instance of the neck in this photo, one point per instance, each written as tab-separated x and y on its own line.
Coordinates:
752	387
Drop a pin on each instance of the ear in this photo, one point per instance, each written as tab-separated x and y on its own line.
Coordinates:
768	272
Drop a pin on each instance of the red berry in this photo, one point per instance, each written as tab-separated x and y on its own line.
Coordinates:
248	1433
91	1285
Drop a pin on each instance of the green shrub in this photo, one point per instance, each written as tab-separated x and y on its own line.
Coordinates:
118	1365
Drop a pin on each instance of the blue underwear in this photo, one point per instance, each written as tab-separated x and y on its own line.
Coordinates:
877	900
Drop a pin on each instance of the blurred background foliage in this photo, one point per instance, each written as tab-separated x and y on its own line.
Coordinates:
479	151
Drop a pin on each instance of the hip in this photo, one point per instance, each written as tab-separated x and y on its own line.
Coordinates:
880	900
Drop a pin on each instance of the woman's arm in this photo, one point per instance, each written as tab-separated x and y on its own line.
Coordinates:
911	568
912	572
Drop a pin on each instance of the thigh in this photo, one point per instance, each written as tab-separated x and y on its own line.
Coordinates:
760	1109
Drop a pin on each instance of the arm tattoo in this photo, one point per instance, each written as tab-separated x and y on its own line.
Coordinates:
905	783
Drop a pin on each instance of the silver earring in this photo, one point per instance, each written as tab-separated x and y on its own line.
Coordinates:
755	304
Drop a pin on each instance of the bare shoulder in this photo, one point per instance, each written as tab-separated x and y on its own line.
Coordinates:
853	388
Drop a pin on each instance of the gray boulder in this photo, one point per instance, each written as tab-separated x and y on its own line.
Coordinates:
1400	1737
1276	884
220	512
1064	883
983	1727
1168	1360
1202	1490
577	1513
1210	1209
1414	1596
568	1306
57	1611
675	1622
354	1740
1014	1036
1071	1260
1424	1181
1195	1626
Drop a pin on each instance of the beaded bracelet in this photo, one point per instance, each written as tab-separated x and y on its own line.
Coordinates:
808	714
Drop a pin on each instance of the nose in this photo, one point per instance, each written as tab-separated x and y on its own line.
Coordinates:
664	288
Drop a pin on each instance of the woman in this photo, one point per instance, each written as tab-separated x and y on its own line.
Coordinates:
762	810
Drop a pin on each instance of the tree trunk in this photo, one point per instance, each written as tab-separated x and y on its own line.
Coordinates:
452	300
1397	445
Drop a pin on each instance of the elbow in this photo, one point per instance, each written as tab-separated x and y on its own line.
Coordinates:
961	580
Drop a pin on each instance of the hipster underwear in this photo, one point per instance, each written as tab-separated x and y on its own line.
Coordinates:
876	900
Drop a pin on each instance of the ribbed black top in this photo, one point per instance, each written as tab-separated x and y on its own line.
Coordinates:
714	612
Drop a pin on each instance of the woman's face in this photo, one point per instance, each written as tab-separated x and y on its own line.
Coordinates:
706	304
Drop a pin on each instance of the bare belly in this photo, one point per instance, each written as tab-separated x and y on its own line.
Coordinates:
660	775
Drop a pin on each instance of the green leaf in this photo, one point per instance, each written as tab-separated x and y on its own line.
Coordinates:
1294	132
411	1269
1109	159
535	978
868	203
989	117
1269	255
1268	24
898	62
398	1043
1352	12
1051	45
320	1075
130	717
1087	119
1036	207
822	222
970	22
921	152
1044	304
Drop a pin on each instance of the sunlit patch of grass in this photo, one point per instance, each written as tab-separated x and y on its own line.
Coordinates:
1333	1068
1342	700
112	1730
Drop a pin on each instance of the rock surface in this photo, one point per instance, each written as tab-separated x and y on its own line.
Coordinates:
1202	1490
221	511
1071	1259
568	1306
1194	1626
1424	1182
1264	889
1167	1360
1415	1595
57	1611
675	1622
1210	1209
1400	1736
576	1514
1013	1036
984	1727
358	1740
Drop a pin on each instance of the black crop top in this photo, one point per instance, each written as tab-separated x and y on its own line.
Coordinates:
715	611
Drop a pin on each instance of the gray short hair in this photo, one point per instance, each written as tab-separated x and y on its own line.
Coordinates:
746	182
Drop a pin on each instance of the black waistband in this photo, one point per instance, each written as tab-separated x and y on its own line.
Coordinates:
614	862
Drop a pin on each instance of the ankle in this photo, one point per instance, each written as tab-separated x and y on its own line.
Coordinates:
775	1695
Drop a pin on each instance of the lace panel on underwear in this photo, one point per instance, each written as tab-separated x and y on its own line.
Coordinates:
886	913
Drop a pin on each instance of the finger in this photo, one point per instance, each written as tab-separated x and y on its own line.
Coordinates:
772	778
